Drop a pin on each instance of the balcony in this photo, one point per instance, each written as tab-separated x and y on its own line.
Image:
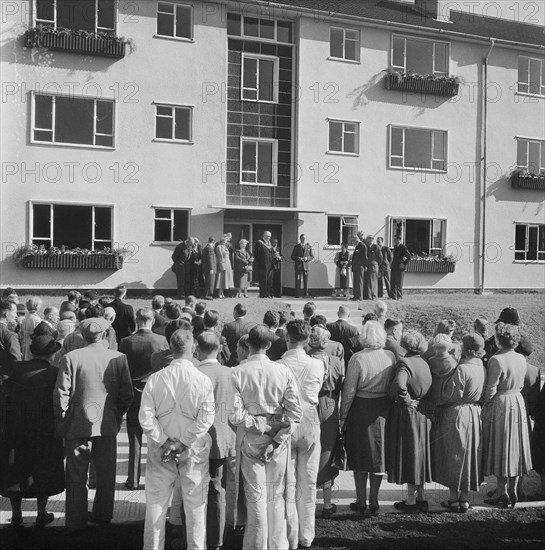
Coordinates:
446	86
525	180
81	42
419	265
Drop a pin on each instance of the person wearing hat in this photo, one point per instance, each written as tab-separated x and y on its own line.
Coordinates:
508	316
400	259
31	464
92	393
456	443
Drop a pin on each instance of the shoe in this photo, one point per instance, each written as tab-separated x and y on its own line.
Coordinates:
354	506
422	505
452	505
464	506
501	502
99	522
407	508
130	486
45	519
16	521
374	508
328	512
362	508
513	499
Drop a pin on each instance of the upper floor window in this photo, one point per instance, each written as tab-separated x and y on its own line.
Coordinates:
174	20
418	148
259	78
170	224
344	137
530	242
421	236
86	15
531	76
262	29
344	44
531	155
71	120
342	230
71	225
258	159
420	56
173	123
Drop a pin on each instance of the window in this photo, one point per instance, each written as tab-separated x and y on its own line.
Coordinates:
86	15
173	123
344	44
72	120
259	78
174	20
529	242
420	236
418	148
73	226
262	29
258	159
170	225
342	230
420	56
344	137
531	76
531	155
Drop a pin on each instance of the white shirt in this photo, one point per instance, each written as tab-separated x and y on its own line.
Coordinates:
177	402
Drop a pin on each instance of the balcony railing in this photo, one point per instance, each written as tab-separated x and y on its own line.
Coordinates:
83	42
446	86
73	261
430	266
521	180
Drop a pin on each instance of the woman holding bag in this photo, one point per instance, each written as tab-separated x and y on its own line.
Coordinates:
243	268
342	274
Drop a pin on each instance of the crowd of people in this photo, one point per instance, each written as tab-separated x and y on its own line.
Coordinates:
244	421
373	269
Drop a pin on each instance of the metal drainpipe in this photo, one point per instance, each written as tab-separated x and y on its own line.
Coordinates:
485	137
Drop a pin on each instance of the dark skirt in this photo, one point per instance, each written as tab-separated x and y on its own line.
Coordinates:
328	412
409	459
365	438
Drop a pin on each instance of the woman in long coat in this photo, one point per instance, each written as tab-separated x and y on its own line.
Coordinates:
242	268
409	459
456	446
342	273
506	441
224	277
32	456
328	412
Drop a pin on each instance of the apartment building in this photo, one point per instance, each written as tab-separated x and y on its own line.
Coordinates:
131	125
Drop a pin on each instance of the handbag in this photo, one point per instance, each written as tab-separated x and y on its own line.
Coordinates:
339	460
248	268
343	271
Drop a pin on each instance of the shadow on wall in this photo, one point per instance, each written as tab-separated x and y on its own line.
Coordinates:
166	281
501	190
318	276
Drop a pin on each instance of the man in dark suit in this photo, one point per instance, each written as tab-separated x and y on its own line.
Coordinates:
10	349
263	261
125	322
277	269
139	347
48	326
278	344
401	257
209	268
302	255
92	393
234	330
181	259
384	268
342	331
359	263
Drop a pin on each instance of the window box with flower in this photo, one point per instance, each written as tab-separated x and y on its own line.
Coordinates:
522	179
431	264
441	85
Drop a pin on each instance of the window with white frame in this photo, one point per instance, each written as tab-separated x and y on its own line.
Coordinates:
262	29
419	56
421	236
173	122
170	224
259	78
344	137
531	155
72	120
86	15
174	20
530	242
71	225
342	230
531	76
344	44
258	161
418	148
